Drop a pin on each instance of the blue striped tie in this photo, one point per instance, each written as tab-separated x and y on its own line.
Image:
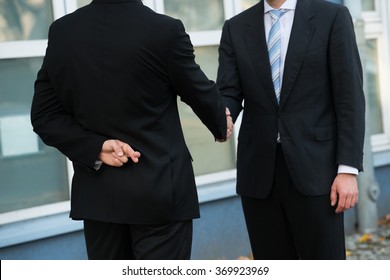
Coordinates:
274	49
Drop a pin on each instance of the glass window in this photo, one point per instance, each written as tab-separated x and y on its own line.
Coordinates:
31	173
245	4
209	156
373	92
199	15
25	19
368	5
81	3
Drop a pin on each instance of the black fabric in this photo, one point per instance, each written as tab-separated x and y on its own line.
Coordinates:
109	241
289	225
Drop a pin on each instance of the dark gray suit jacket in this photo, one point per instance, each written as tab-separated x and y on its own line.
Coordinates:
114	70
321	112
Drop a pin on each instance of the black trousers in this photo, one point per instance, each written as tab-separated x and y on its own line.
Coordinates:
110	241
288	225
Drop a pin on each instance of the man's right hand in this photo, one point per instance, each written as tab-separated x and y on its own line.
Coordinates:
116	153
229	129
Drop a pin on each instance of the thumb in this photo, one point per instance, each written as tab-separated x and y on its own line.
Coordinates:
227	111
134	155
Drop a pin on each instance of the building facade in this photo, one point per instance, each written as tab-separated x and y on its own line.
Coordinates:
35	179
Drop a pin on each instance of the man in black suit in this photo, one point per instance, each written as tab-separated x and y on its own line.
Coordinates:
296	66
107	91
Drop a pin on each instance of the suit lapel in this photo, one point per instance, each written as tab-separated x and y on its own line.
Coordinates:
301	35
258	51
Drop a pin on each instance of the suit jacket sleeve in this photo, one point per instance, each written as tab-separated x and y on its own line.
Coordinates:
57	127
228	75
192	85
347	87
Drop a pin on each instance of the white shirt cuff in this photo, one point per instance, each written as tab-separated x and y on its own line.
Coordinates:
98	164
347	169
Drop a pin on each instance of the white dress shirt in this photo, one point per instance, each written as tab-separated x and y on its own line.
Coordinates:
286	23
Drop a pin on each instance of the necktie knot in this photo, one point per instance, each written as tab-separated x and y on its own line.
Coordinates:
276	14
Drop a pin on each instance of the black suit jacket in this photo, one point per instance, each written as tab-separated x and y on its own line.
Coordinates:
321	112
114	70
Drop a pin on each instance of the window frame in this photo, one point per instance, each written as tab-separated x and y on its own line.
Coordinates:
376	27
33	49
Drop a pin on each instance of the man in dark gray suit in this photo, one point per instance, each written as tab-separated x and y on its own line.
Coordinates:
296	67
107	90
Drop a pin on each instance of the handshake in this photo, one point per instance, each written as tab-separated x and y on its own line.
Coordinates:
116	153
229	129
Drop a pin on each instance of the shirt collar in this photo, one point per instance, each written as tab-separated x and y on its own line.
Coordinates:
288	5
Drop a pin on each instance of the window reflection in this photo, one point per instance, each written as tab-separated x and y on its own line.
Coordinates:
373	92
368	5
209	156
31	173
248	3
81	3
199	15
24	19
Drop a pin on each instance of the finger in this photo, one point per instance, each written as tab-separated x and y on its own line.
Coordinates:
228	133
116	146
134	155
229	122
355	199
122	159
229	130
348	201
341	203
127	150
117	162
349	196
333	197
